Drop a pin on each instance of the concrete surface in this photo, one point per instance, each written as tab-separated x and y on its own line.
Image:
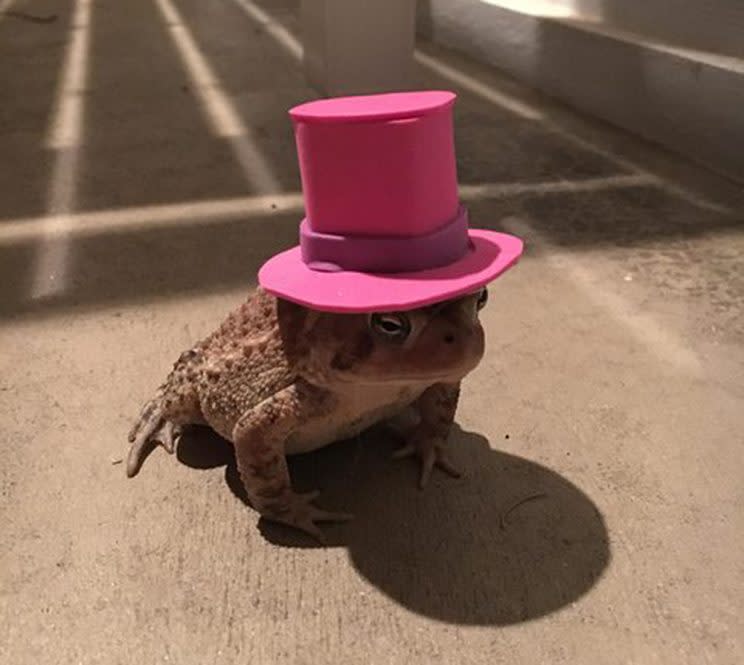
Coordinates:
612	385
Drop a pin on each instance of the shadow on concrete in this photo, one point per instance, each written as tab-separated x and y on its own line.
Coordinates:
147	139
136	153
148	264
498	147
646	217
30	61
462	551
147	142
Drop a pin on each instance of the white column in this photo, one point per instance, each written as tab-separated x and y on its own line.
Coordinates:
358	46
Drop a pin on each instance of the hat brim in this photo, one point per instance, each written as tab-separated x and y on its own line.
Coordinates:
286	276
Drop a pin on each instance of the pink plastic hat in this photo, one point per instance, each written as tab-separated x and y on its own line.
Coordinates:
385	230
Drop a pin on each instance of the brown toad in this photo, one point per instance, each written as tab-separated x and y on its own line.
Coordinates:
277	378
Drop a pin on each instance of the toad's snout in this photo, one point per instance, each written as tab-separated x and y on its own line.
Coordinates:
465	345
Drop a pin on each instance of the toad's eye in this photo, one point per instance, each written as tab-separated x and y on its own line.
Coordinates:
392	326
482	298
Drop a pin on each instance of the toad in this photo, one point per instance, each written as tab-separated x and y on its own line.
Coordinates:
278	378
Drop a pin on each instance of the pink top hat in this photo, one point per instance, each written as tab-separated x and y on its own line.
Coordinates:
384	230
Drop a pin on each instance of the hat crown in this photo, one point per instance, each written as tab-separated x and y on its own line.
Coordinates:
378	165
384	231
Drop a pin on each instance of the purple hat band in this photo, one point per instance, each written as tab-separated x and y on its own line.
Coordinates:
326	252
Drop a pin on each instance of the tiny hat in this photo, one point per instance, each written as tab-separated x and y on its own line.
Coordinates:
384	227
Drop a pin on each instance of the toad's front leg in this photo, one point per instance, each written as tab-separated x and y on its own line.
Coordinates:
436	406
259	437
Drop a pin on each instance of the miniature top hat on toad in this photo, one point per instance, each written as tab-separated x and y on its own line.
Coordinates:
384	227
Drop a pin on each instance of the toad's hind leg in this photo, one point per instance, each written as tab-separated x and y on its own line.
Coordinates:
159	424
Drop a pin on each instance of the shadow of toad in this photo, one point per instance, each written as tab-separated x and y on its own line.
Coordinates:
468	551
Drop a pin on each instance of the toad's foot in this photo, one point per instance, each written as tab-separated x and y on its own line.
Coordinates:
430	451
297	510
150	429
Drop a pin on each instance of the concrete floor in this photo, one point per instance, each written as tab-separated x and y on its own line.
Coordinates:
148	170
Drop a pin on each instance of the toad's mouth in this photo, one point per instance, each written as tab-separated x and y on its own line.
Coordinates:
442	376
